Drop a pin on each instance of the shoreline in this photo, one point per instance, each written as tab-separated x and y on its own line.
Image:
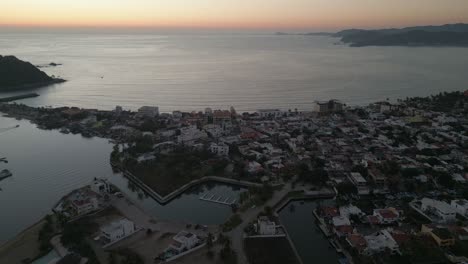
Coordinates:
24	245
28	86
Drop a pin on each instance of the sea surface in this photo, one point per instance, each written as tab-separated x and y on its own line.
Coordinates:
247	71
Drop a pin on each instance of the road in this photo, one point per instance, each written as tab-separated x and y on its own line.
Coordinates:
250	215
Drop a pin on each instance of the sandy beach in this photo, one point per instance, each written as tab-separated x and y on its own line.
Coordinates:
23	246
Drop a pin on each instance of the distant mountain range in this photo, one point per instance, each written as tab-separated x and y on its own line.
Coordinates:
16	74
445	35
306	34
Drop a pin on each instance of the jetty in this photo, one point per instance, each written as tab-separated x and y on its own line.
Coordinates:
18	97
218	199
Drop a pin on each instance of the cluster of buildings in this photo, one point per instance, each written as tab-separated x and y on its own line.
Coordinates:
80	202
395	153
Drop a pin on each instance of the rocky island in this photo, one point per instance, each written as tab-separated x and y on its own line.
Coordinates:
16	74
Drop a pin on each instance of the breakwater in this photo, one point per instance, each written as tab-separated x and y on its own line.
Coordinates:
18	97
165	199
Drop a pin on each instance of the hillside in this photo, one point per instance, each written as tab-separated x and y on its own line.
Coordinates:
445	35
16	74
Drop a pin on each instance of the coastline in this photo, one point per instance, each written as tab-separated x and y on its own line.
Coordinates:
31	85
22	246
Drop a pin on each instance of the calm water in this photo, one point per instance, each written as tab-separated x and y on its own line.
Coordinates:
191	72
47	164
312	245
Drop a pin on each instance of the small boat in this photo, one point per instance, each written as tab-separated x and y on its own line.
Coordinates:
5	174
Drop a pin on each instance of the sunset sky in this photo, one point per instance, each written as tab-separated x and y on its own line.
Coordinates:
239	14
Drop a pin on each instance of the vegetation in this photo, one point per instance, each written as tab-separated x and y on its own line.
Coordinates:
17	74
227	254
442	102
269	251
45	234
74	237
232	223
168	172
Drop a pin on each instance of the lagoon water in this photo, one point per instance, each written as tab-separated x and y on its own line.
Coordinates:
47	165
247	71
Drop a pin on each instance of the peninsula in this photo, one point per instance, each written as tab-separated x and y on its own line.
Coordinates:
18	75
455	35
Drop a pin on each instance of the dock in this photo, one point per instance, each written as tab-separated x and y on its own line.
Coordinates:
217	199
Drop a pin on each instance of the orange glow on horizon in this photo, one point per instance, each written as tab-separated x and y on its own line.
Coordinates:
225	14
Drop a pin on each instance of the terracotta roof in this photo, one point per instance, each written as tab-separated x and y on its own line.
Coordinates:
357	240
387	213
329	211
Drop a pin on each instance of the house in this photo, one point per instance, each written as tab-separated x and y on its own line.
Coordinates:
254	167
148	111
100	186
387	216
265	226
441	235
269	113
357	241
343	230
117	230
442	210
84	205
340	221
184	241
381	241
219	149
328	212
146	157
190	134
349	210
360	183
221	116
460	206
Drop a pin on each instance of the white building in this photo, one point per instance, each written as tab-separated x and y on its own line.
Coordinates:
146	157
360	183
86	205
387	216
265	226
118	109
219	149
190	134
184	241
328	106
269	112
461	206
117	230
340	221
149	111
100	186
380	242
441	209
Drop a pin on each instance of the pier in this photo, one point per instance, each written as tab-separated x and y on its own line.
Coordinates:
218	199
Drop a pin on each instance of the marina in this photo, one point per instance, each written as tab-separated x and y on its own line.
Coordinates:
218	199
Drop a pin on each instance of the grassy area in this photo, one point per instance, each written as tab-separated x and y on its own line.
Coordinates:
232	222
169	172
269	251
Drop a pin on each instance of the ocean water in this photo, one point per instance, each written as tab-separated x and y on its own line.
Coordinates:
194	71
